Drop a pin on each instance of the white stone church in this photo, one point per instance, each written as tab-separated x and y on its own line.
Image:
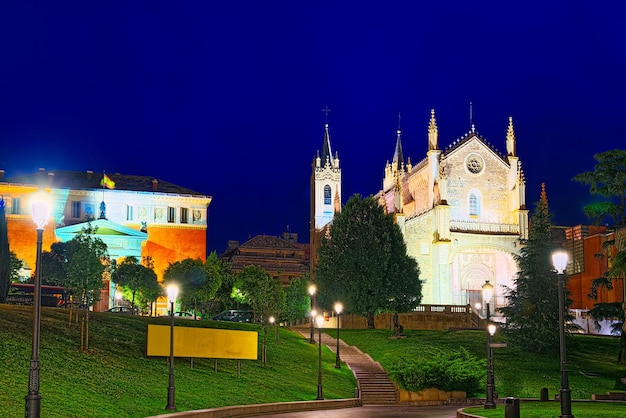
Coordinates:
461	209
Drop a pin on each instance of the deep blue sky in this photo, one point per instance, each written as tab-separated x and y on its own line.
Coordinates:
225	97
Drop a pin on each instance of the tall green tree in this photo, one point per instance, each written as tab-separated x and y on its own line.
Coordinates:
16	266
532	311
189	275
297	298
54	264
264	294
5	256
608	179
134	277
217	272
363	262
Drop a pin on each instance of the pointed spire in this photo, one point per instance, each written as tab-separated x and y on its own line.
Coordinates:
326	156
398	157
433	132
510	138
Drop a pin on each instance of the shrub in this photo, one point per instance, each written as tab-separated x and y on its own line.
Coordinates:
455	370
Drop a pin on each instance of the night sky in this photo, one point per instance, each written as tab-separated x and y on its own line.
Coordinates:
225	97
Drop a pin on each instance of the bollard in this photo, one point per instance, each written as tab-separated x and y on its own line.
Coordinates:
543	397
357	393
511	408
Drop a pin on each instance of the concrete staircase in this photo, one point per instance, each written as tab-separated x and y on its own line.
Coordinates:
375	387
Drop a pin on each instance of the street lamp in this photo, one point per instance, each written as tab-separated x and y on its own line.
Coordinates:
172	293
338	309
312	290
41	212
273	324
319	320
487	295
559	259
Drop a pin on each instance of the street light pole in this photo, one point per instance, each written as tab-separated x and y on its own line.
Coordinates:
489	401
338	309
320	322
312	290
559	260
172	292
41	213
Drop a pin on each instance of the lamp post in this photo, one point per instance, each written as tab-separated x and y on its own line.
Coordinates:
487	290
319	320
41	213
312	290
273	324
338	309
172	293
559	259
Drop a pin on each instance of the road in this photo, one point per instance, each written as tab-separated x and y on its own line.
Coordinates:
387	411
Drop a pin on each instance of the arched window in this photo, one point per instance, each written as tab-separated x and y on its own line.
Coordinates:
327	195
474	204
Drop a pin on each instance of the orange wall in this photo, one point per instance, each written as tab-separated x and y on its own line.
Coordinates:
23	239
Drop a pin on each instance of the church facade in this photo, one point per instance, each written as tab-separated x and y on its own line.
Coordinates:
462	212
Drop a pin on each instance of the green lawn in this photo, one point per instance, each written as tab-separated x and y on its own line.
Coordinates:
116	378
553	409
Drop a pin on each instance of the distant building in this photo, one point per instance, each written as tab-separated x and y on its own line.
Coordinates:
325	195
462	211
590	259
282	257
138	216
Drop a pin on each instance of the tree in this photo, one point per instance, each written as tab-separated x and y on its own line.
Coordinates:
132	275
54	264
86	259
5	256
264	294
190	276
608	179
532	311
363	262
216	272
297	298
16	266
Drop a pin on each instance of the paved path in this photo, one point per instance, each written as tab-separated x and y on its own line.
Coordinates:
372	411
374	384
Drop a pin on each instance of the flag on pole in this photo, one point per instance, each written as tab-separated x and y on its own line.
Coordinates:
107	182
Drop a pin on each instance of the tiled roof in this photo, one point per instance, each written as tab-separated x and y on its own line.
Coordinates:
91	180
268	241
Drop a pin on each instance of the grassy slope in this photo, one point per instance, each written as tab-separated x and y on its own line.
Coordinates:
116	378
517	373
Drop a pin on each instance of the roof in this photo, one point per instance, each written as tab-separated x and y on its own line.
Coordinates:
468	137
91	180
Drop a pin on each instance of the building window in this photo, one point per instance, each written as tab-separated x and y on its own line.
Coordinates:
184	215
327	195
15	205
129	213
474	205
171	214
76	210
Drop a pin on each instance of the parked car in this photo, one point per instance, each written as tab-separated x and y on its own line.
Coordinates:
185	315
126	310
235	315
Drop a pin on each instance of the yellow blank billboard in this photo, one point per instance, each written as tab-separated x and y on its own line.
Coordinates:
202	342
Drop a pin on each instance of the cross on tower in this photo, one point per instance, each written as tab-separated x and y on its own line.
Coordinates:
326	111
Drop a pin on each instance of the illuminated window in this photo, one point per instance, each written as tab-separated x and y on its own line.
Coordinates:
184	215
15	205
171	214
327	195
75	209
474	205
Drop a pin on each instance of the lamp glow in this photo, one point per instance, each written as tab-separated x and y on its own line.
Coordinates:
559	260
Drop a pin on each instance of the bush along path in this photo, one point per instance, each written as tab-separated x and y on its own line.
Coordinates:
375	387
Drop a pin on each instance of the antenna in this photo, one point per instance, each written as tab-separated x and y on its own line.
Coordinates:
399	120
471	114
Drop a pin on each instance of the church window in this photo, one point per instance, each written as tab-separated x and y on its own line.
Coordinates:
327	195
129	213
184	215
15	206
474	205
171	214
75	209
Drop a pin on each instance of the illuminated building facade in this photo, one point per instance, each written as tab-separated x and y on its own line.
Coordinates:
139	216
462	212
325	195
